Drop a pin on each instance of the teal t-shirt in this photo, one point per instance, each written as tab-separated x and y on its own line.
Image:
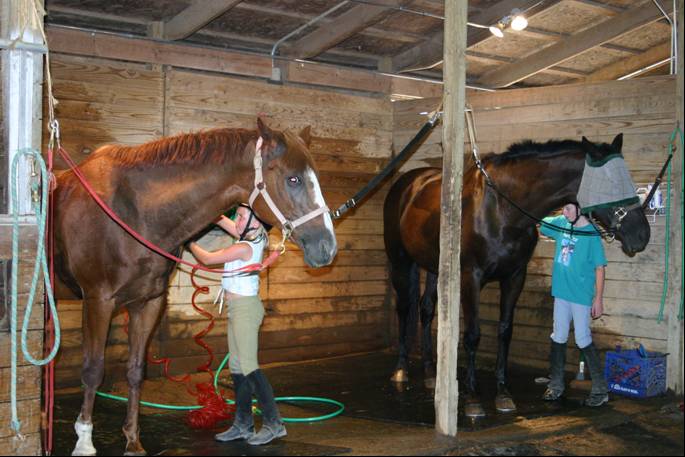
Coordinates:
575	260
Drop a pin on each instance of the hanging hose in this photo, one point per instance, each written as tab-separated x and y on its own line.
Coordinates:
40	262
677	134
341	407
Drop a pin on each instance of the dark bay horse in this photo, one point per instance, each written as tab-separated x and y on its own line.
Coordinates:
168	190
497	241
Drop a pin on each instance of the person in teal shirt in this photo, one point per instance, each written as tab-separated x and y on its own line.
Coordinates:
577	288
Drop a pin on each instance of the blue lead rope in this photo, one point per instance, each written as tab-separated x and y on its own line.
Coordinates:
40	262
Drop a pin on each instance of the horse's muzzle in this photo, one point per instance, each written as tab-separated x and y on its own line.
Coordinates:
321	252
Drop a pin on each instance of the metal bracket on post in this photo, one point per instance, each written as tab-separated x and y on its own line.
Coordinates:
5	294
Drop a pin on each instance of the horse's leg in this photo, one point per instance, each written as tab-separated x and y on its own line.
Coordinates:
428	301
510	290
142	320
470	297
405	280
97	315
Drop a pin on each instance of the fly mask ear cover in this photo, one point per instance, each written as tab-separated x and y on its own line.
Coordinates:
606	184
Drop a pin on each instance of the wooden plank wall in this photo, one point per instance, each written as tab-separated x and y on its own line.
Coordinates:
644	111
310	313
28	376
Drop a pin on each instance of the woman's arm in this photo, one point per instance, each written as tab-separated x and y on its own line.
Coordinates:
598	302
228	225
242	251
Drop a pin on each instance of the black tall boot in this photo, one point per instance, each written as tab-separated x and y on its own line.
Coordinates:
243	423
272	425
557	362
599	392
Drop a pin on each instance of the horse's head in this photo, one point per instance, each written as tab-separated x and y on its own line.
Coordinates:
291	179
607	194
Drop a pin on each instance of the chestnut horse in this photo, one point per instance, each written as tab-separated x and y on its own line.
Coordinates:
168	190
497	241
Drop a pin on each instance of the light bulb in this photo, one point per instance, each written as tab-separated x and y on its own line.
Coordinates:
519	22
497	30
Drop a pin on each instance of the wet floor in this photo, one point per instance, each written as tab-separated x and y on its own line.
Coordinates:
375	409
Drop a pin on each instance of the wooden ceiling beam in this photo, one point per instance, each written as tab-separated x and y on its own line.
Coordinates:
429	53
345	25
401	36
575	45
626	66
191	19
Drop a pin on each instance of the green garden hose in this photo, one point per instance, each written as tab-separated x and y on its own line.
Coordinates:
341	407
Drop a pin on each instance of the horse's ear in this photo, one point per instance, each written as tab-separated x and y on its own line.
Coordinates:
272	146
264	131
617	144
306	135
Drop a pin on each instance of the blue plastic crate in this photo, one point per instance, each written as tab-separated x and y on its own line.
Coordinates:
636	372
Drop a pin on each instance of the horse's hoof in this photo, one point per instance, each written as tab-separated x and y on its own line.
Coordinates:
400	375
135	449
429	383
505	404
84	445
474	409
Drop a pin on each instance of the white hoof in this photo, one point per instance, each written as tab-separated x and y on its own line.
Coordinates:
400	375
84	445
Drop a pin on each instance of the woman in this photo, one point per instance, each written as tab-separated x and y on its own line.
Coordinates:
245	314
577	287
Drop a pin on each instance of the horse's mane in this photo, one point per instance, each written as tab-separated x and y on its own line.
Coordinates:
209	146
529	148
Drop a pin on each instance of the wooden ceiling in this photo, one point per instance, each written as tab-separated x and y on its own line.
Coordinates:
566	40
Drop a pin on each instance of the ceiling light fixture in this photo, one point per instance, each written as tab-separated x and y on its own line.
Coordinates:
515	19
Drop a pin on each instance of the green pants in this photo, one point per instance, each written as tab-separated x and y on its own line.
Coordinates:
245	316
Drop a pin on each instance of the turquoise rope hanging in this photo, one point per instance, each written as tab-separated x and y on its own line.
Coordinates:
40	262
677	134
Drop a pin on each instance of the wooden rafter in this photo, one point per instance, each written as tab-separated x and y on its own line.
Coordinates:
429	53
347	24
634	63
191	19
575	45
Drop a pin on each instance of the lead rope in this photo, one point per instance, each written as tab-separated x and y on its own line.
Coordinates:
40	263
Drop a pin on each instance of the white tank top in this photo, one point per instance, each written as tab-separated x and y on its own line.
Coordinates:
244	284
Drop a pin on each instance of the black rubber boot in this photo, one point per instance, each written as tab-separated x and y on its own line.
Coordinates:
272	425
557	362
599	392
243	423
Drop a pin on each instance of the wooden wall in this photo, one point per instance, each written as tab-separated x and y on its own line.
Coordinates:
644	111
28	376
310	313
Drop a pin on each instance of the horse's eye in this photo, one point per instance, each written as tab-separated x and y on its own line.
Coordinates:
294	181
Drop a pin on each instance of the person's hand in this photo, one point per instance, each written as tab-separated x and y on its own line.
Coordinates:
597	308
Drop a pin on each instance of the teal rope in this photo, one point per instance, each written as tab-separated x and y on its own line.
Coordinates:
667	249
40	262
341	407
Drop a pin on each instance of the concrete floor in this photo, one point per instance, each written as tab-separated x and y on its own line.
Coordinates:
383	419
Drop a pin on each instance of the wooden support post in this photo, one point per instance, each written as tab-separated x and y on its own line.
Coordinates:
675	272
22	80
449	285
